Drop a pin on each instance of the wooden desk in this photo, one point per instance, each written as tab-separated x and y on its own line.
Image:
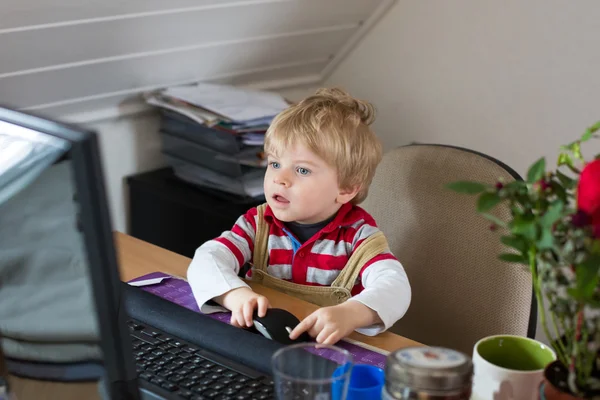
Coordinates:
137	258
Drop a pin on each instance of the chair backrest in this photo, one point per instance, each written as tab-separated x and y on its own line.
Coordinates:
461	291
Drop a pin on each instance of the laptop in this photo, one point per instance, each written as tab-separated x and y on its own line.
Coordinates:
64	313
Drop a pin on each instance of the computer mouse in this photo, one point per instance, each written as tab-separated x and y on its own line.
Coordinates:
277	325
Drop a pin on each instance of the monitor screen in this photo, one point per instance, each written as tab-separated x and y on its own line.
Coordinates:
47	311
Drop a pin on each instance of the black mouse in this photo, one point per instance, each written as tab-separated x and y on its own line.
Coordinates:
277	325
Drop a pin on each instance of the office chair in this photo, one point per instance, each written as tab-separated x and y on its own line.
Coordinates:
461	291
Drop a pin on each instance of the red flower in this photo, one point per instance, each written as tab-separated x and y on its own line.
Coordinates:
588	193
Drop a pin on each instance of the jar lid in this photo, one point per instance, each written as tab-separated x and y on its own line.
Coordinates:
429	368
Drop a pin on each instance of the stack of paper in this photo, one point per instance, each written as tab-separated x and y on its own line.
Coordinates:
239	111
220	140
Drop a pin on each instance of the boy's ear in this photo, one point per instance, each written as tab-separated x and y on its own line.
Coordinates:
346	195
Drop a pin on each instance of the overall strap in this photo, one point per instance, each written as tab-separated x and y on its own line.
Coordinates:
369	248
261	240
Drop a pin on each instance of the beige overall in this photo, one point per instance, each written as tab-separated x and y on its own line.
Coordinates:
340	289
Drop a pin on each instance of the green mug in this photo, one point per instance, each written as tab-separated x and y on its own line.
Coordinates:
508	366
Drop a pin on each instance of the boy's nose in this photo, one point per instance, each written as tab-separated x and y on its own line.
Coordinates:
281	179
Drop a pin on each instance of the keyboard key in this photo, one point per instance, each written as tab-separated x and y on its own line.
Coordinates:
145	376
225	381
187	383
189	349
217	386
206	381
219	370
171	367
164	346
198	397
248	391
177	344
231	374
210	394
229	391
165	373
169	386
268	382
186	394
154	368
144	338
168	357
199	388
237	386
207	364
179	361
185	356
182	371
254	384
158	352
242	379
134	326
174	351
176	378
195	376
157	381
263	396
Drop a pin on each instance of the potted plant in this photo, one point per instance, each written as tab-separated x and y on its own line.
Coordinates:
554	229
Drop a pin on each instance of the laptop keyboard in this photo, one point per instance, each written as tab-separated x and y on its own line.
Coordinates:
178	367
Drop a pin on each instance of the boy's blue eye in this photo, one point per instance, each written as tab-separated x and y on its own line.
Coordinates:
274	164
303	171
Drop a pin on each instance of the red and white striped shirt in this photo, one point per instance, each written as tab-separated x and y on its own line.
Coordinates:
382	284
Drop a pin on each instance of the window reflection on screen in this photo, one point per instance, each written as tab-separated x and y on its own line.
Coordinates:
46	305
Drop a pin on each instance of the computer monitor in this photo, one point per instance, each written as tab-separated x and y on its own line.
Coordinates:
55	240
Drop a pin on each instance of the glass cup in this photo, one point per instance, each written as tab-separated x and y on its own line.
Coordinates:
311	371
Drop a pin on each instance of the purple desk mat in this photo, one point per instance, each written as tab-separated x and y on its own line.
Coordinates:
179	292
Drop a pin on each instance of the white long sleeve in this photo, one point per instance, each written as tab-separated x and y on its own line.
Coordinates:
386	291
213	272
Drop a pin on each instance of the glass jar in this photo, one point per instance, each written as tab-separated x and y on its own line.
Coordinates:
428	373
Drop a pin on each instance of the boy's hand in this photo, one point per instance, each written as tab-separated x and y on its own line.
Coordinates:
242	302
330	324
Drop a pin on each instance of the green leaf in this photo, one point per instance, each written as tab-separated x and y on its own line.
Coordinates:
515	242
574	293
536	171
511	257
494	219
487	201
467	187
589	133
565	159
576	149
553	214
587	276
523	227
566	181
546	240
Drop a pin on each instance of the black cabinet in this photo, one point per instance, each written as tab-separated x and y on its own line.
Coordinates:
178	216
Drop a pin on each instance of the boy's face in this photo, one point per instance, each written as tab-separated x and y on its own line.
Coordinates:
301	187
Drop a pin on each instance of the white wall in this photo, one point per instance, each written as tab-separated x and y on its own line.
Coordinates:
131	145
514	79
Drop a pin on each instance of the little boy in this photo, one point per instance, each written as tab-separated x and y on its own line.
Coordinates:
311	240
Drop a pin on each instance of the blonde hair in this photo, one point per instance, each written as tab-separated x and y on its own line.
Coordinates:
334	126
